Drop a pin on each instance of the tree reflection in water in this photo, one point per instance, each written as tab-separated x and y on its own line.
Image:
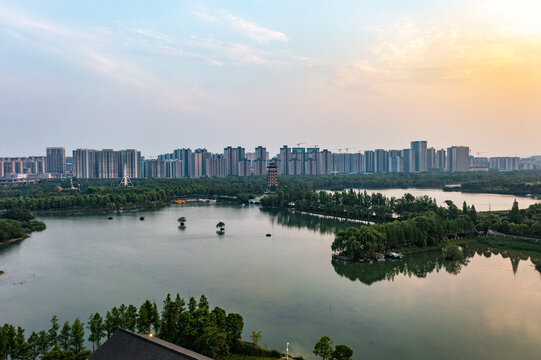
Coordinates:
423	263
304	221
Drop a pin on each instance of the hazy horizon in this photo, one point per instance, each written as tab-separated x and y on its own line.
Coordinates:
211	74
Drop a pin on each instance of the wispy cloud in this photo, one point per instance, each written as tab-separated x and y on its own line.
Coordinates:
202	14
254	31
102	51
153	34
437	55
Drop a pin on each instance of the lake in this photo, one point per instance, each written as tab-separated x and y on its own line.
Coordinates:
482	202
286	285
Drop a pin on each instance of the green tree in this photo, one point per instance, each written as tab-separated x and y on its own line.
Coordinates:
97	330
53	332
148	318
43	342
33	352
20	346
323	348
221	226
64	336
256	337
234	323
77	336
342	352
514	215
129	322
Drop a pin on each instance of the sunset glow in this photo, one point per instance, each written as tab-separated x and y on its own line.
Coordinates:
445	66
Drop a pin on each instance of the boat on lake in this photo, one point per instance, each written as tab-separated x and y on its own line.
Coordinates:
394	255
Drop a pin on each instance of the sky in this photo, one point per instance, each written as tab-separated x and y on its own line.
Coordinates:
361	75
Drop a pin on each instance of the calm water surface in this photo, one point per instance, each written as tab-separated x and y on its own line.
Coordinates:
286	285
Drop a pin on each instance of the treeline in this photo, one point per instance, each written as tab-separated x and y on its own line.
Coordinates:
104	194
147	193
357	205
420	231
525	222
432	227
515	185
190	324
18	223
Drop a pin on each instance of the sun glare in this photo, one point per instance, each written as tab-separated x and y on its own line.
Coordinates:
519	17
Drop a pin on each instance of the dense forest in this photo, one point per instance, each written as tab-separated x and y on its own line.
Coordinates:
18	223
191	324
104	194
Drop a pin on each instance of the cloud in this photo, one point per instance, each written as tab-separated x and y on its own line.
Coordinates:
439	55
203	15
254	31
106	52
153	34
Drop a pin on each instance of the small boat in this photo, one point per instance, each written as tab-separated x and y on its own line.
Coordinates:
142	218
393	255
110	218
268	235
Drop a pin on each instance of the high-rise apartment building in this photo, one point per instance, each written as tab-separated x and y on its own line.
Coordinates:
431	158
311	161
325	162
381	161
440	160
216	165
174	168
296	161
458	158
129	163
56	161
107	164
396	163
285	156
369	161
154	168
233	155
418	149
186	156
84	164
408	160
200	157
260	161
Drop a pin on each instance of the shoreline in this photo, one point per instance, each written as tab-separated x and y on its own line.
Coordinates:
461	242
12	241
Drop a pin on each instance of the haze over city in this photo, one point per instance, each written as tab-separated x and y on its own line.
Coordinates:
209	74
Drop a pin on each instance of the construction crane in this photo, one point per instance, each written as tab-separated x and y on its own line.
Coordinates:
299	144
339	150
481	152
348	148
314	146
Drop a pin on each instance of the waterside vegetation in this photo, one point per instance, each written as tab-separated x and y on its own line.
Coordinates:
17	224
106	195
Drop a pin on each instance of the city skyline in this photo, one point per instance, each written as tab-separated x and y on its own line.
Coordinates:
101	74
236	161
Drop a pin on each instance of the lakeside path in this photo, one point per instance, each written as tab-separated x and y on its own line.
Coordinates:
492	232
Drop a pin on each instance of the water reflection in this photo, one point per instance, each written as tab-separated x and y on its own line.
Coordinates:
303	221
422	264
